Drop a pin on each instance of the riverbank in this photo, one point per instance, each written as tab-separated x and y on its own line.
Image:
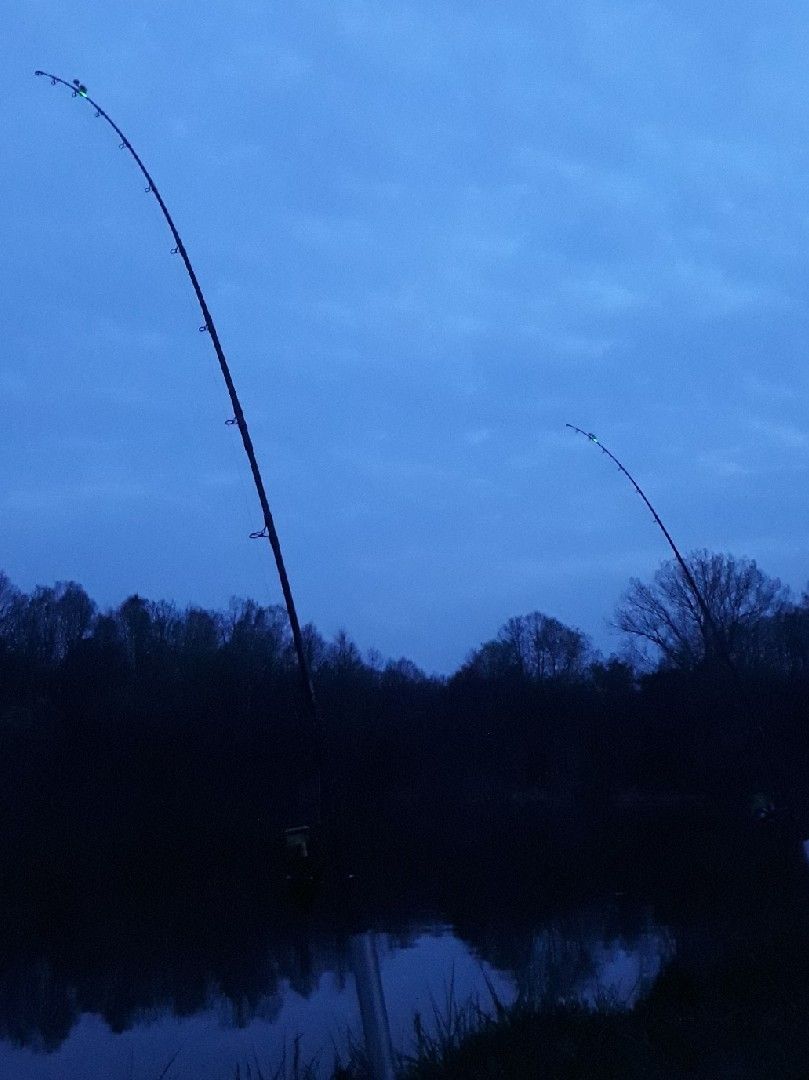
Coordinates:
742	1020
731	1005
734	1024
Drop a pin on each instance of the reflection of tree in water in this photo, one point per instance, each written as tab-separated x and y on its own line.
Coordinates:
567	957
561	959
300	963
36	1009
239	1012
244	974
128	983
586	964
122	975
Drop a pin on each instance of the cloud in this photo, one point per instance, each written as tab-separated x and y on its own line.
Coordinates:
220	478
477	436
711	289
589	180
782	433
723	464
45	499
461	228
596	563
773	392
602	293
13	384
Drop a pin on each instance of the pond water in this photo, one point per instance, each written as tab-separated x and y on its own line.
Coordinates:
58	1025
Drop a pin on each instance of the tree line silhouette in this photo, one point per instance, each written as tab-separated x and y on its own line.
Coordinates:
147	744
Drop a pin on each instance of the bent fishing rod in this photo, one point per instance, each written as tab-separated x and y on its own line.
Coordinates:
269	531
689	577
776	768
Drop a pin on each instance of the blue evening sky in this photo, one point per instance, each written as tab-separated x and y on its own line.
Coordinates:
430	235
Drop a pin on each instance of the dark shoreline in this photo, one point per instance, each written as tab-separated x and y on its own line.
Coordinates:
737	892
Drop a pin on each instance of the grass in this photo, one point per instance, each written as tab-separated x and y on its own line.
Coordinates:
292	1067
725	1027
743	1018
285	1070
459	1039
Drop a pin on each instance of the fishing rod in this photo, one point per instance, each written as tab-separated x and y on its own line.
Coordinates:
238	420
689	577
776	768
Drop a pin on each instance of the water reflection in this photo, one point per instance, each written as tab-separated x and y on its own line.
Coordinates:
604	956
58	1021
601	973
373	1007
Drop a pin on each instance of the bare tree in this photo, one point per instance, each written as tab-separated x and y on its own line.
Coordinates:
536	647
665	615
44	625
343	655
541	647
493	660
9	598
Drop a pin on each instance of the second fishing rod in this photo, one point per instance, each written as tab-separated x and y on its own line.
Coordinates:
714	641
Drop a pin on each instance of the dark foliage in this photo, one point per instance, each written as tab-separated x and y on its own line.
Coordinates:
146	746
